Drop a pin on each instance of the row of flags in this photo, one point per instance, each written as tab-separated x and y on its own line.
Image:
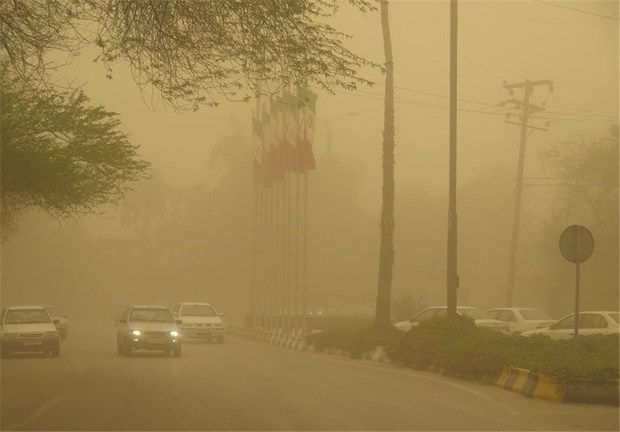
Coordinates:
284	131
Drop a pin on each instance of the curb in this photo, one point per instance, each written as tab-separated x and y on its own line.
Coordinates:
520	381
535	386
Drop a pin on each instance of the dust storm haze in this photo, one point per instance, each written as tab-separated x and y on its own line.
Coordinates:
187	232
273	210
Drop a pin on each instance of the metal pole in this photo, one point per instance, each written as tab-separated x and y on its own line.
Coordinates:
452	277
304	259
577	276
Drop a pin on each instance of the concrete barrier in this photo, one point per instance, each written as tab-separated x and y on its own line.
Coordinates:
537	386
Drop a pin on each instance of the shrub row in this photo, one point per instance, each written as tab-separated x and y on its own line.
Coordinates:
459	348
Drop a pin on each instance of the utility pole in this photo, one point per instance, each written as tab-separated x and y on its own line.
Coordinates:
526	109
452	276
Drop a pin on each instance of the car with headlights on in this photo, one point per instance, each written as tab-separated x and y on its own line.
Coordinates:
199	320
520	319
590	323
442	311
28	328
148	327
60	321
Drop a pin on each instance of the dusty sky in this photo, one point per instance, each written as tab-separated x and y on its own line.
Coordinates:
498	41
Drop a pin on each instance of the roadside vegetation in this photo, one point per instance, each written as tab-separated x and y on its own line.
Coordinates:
458	348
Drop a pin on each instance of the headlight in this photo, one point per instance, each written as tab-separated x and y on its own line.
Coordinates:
51	334
174	333
9	335
136	332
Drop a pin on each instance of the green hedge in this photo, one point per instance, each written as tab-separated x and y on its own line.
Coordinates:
459	348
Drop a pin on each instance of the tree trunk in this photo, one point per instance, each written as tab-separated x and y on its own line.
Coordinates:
386	252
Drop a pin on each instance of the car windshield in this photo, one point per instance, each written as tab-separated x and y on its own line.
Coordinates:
198	310
151	314
534	314
615	316
474	313
26	316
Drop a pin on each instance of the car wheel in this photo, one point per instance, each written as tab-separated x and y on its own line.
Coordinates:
177	351
64	334
220	340
55	351
5	353
167	351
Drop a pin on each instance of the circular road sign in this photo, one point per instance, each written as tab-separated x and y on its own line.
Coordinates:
576	243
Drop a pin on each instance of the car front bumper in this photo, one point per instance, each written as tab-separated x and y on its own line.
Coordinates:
160	344
19	345
203	332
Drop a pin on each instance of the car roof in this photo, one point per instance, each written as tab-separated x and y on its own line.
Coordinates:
25	307
193	303
595	312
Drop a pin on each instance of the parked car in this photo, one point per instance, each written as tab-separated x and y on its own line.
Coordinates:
521	319
441	311
27	329
63	324
590	323
199	320
148	327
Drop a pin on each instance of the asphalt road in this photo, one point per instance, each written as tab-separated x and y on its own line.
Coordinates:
242	385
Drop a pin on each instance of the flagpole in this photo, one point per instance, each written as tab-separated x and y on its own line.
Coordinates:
304	260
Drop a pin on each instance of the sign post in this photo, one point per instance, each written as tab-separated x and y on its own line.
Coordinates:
576	245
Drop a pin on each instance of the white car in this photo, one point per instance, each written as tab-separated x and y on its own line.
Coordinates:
199	320
590	323
441	311
28	328
148	327
520	319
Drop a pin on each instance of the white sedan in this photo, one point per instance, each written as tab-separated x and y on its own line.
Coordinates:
520	319
590	323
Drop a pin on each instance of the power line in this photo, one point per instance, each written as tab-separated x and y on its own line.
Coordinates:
577	10
531	19
376	96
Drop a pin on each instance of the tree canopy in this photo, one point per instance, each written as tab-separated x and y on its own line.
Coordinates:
193	52
59	153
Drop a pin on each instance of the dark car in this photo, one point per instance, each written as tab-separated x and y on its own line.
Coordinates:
60	321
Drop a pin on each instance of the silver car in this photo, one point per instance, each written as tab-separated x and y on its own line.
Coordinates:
27	329
199	320
147	327
520	319
590	323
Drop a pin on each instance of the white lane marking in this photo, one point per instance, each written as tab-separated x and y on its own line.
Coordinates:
398	372
37	413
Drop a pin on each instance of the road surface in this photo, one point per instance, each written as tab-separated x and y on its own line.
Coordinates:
243	385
